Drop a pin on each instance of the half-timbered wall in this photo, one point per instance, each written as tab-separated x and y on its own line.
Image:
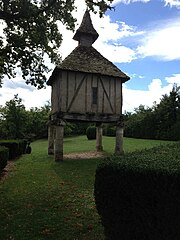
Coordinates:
82	93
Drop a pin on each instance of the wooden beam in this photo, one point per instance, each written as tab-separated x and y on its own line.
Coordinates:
107	95
76	93
88	117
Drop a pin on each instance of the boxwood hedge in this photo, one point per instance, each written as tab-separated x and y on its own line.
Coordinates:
138	195
16	147
4	156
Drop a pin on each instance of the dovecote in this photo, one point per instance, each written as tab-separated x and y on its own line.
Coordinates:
85	87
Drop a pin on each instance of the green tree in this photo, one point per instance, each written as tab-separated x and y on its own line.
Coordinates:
168	112
162	121
13	118
3	132
141	124
37	124
31	31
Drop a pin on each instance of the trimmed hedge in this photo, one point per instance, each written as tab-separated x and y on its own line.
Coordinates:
138	195
91	132
4	156
109	130
16	147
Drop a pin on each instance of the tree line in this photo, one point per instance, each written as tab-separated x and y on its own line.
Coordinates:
17	123
161	121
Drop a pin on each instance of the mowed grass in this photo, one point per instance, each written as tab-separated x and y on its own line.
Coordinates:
43	199
81	144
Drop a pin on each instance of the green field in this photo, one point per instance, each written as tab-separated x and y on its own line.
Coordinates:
42	199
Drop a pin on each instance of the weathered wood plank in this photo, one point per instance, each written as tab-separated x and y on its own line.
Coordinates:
89	117
86	96
76	93
115	110
67	90
105	92
63	91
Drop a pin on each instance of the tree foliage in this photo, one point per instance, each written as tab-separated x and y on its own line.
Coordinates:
16	122
13	117
37	123
162	121
31	32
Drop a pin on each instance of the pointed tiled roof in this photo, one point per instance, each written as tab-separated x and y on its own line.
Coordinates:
88	60
86	27
85	58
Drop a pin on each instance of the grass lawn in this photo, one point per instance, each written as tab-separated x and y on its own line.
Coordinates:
42	199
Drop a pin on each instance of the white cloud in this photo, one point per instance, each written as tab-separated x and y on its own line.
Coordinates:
108	31
155	86
134	98
172	3
134	75
112	31
162	42
115	2
30	95
174	79
67	44
115	53
110	34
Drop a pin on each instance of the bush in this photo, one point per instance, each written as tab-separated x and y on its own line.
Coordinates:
22	146
137	195
91	132
79	128
109	130
16	147
4	156
68	129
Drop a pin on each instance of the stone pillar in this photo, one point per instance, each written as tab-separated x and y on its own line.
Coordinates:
50	139
58	141
99	131
119	139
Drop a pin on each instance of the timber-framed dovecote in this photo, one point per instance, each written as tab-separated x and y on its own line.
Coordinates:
85	87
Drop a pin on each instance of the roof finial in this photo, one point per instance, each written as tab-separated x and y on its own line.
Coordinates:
86	35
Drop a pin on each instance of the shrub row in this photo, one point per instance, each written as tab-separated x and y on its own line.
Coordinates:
4	156
108	130
138	195
16	147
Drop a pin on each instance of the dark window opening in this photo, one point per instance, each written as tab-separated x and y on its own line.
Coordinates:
94	95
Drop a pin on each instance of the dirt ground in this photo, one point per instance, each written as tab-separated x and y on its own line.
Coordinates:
5	172
85	155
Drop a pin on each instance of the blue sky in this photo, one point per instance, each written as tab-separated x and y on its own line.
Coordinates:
149	16
141	37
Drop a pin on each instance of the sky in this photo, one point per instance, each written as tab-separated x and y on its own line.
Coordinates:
141	37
